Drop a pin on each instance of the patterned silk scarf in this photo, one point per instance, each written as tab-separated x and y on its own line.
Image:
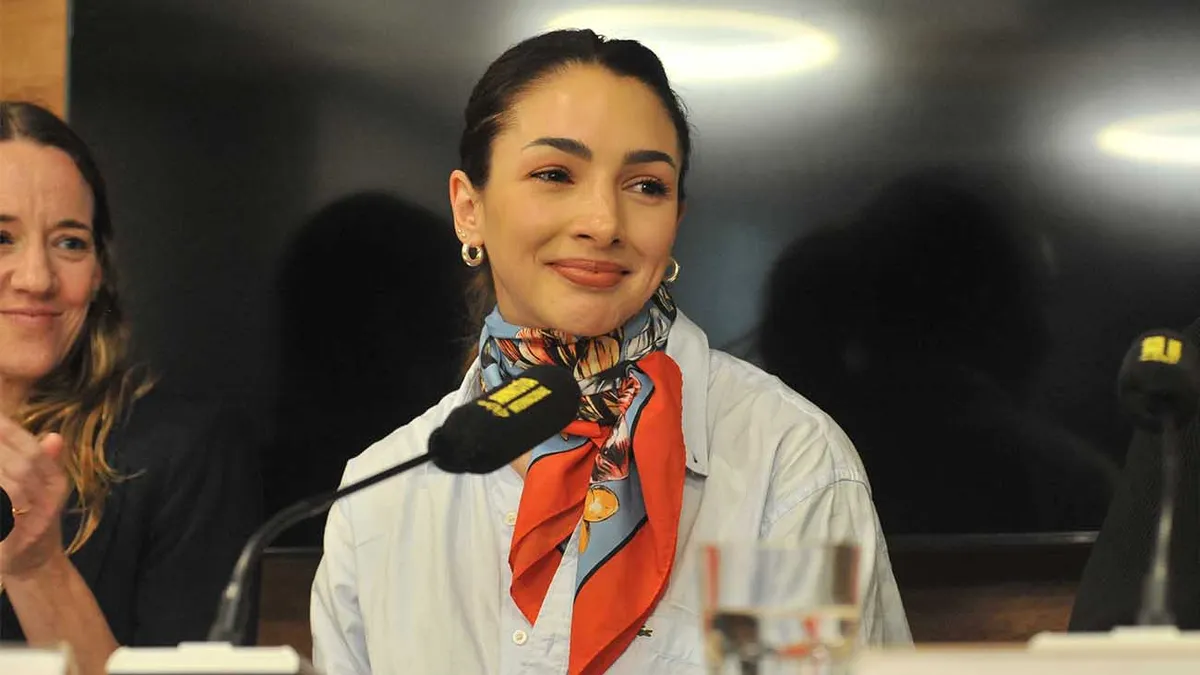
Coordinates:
619	467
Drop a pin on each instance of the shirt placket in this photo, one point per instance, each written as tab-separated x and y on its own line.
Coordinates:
526	649
549	640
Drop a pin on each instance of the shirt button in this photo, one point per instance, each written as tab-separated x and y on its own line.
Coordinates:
520	637
510	518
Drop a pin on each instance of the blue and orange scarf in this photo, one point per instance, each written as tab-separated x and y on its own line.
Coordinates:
619	467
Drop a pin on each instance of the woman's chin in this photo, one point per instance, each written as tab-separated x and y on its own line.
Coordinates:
587	321
26	367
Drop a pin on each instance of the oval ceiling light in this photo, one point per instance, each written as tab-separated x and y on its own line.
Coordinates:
711	44
1171	138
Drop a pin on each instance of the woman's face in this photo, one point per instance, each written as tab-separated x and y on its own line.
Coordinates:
49	270
581	205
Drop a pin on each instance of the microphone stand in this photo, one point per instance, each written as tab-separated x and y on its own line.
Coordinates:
233	614
1156	610
224	651
1155	631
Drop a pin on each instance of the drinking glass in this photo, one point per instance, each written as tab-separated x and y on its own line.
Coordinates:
779	609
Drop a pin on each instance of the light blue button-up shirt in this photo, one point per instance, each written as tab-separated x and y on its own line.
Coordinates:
415	574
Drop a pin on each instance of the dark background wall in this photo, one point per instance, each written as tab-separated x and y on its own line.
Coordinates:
959	268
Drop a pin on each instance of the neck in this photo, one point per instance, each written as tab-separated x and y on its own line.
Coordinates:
12	395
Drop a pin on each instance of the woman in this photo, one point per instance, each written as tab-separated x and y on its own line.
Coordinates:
118	533
567	202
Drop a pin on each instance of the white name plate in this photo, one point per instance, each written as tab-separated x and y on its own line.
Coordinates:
16	658
206	658
992	662
1161	651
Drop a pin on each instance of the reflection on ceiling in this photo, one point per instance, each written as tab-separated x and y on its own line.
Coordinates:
1168	139
702	45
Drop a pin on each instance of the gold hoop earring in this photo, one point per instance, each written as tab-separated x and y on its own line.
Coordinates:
472	255
674	274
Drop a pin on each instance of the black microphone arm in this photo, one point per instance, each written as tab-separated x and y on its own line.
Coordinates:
1156	609
1159	386
480	437
233	613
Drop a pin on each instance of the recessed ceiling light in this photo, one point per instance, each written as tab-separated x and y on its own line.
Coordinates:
1170	138
698	45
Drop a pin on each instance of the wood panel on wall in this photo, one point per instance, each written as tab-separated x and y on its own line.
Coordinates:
34	37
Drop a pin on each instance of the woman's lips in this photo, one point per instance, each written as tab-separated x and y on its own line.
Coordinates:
590	273
31	318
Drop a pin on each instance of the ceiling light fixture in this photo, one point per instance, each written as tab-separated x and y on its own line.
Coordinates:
1170	138
699	45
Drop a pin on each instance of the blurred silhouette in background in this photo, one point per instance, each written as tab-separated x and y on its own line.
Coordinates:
917	325
371	297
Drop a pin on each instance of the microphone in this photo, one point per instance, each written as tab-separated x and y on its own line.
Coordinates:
1159	387
479	437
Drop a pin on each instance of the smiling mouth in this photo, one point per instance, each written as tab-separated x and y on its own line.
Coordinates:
29	318
590	273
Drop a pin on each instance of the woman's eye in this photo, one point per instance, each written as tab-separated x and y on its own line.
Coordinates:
6	238
74	244
553	176
652	187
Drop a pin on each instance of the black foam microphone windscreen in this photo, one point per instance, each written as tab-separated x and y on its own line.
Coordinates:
492	430
1159	380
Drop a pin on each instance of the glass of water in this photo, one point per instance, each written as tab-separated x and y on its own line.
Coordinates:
779	609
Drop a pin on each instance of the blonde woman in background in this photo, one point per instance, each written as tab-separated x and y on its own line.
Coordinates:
127	508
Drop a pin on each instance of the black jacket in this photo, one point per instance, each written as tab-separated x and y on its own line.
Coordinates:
173	528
